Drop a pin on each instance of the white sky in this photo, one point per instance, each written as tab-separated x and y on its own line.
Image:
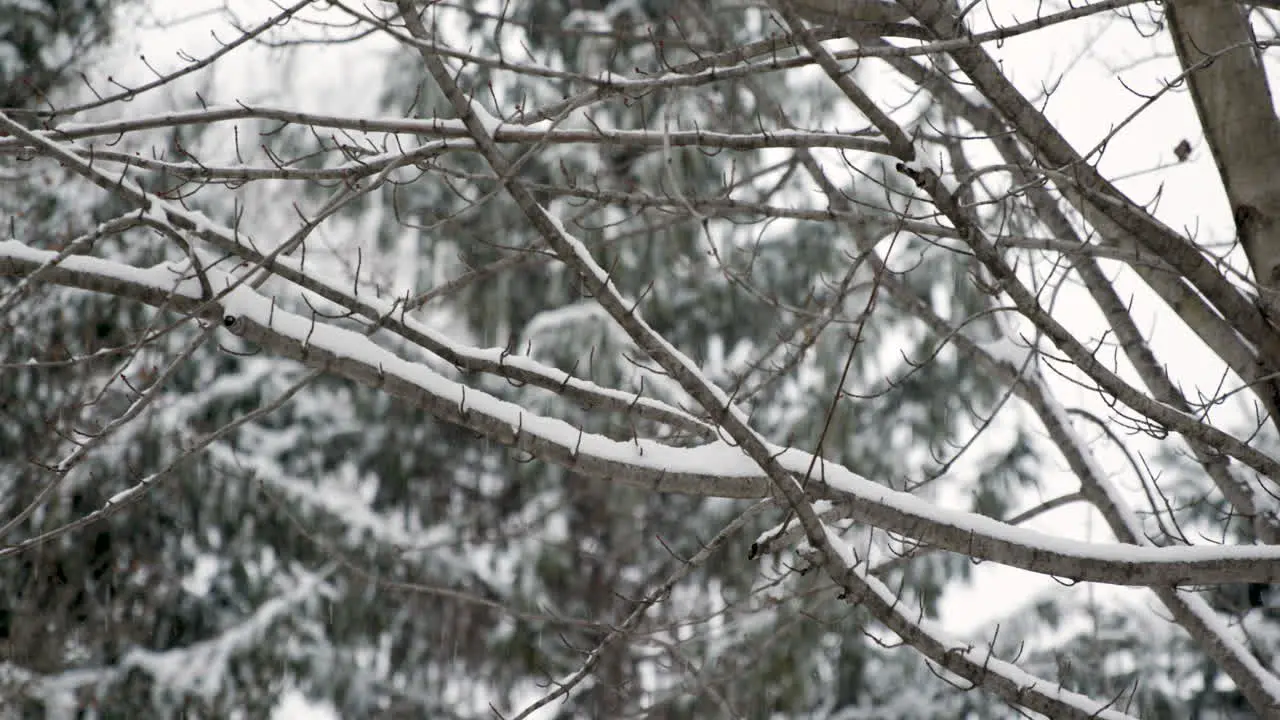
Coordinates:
1087	103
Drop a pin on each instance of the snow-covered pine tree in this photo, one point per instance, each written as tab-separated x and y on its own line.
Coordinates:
445	572
258	526
775	316
170	606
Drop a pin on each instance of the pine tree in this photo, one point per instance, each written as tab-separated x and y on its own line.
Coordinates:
263	524
198	598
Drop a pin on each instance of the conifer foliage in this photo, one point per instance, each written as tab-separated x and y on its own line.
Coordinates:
652	358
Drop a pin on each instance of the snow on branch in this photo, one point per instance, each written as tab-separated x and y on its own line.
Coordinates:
717	469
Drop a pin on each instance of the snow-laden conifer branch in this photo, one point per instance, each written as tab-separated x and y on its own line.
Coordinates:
200	669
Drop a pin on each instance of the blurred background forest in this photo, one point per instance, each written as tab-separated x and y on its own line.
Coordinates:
360	553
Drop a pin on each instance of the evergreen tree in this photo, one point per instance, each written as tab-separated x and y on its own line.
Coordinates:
261	524
198	598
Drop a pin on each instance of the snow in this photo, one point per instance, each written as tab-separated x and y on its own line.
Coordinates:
455	130
163	277
490	123
568	316
201	668
717	459
295	706
1007	350
840	546
1232	642
221	113
200	580
607	286
984	657
331	497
